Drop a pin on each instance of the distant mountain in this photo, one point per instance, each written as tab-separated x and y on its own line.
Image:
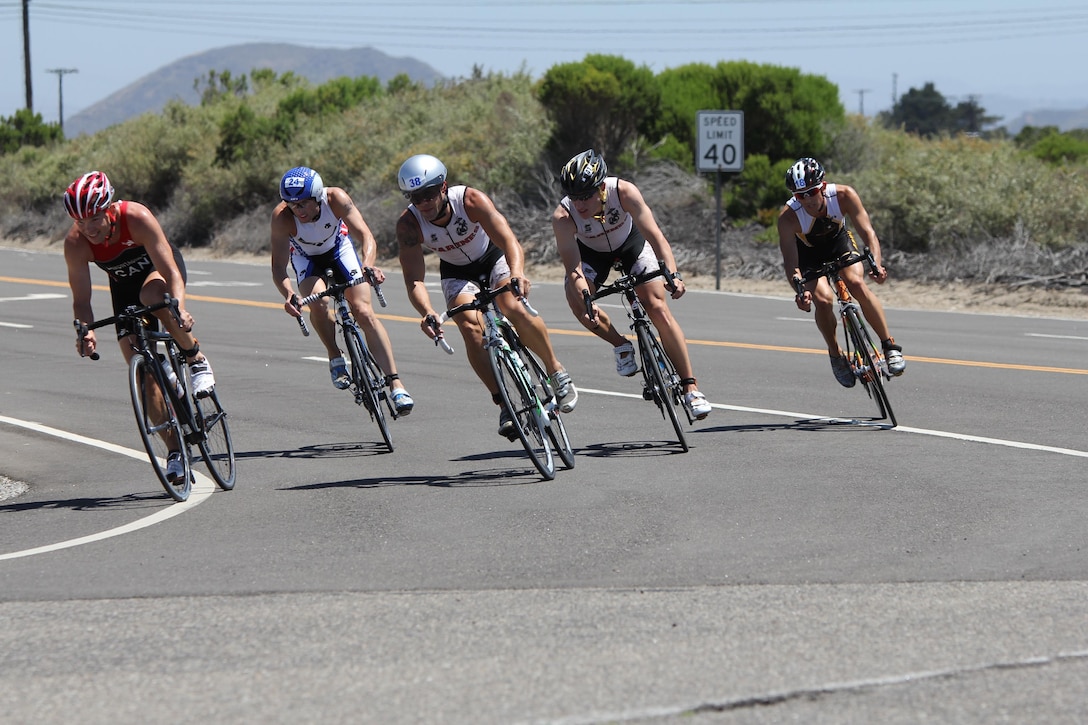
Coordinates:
1064	119
175	81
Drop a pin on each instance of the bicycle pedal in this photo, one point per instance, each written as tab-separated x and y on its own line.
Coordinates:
647	394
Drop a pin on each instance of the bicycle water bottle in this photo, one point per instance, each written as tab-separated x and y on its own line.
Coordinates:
172	377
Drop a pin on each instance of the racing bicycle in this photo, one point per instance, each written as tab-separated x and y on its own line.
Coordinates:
368	380
161	383
660	381
527	393
865	354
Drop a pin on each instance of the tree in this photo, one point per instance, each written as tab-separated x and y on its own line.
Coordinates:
600	102
924	112
969	117
26	128
786	113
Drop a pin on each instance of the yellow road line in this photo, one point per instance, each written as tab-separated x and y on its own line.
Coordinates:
586	333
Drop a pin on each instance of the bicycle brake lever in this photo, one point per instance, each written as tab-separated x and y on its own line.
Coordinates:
372	278
301	322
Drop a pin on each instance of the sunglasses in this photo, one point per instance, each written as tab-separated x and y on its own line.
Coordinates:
418	197
811	192
583	197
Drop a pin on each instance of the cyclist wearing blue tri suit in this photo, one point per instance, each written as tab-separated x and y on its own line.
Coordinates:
315	229
603	219
475	246
812	231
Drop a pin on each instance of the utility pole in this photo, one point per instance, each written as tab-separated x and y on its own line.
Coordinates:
61	72
26	56
861	99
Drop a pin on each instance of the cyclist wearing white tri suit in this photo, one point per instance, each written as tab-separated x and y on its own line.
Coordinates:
323	243
608	236
315	229
466	253
602	220
475	246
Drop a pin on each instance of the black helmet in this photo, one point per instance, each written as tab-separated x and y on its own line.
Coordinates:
582	174
804	175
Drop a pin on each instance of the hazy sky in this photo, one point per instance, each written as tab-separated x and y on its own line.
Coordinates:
1009	53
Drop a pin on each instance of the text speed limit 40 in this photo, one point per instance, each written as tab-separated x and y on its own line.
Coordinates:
720	136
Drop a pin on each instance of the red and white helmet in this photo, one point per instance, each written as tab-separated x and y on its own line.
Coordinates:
88	195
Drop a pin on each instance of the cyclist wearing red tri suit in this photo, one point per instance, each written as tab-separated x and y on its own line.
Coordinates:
124	239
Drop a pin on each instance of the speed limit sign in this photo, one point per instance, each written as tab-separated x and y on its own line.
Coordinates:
719	140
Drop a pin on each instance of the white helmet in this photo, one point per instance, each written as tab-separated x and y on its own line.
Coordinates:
419	172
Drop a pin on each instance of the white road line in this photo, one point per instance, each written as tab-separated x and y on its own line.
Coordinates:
16	325
874	424
202	489
1056	337
39	296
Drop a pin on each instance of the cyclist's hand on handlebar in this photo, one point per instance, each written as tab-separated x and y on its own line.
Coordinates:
87	344
185	320
879	273
803	299
291	306
520	286
676	287
592	313
431	327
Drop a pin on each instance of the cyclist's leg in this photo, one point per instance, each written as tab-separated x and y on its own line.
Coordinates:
532	330
124	294
603	328
827	318
854	276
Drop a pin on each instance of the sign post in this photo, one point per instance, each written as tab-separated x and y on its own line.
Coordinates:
719	147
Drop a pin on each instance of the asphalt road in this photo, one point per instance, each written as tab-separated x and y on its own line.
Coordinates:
800	563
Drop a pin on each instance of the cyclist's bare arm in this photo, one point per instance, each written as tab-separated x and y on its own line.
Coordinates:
413	266
344	208
480	209
283	224
851	205
632	201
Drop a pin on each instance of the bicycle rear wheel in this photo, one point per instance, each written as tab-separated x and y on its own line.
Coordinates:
557	430
160	434
216	445
872	377
662	381
368	381
525	409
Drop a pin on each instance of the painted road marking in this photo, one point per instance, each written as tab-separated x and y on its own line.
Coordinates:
202	489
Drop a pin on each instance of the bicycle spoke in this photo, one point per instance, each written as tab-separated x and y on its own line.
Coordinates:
216	445
158	424
660	376
526	410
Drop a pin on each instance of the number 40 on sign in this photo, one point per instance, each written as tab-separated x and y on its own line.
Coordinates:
720	140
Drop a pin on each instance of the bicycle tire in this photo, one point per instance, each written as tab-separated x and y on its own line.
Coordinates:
381	399
215	443
873	381
145	383
660	375
362	385
557	429
525	410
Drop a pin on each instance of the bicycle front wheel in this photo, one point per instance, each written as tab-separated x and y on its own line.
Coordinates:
216	445
662	381
872	376
158	423
557	430
525	409
367	381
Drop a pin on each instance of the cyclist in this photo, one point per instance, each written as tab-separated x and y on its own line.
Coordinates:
315	228
475	246
125	240
812	231
603	218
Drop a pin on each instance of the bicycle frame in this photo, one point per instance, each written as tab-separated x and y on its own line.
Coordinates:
368	380
865	354
661	383
537	420
185	421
